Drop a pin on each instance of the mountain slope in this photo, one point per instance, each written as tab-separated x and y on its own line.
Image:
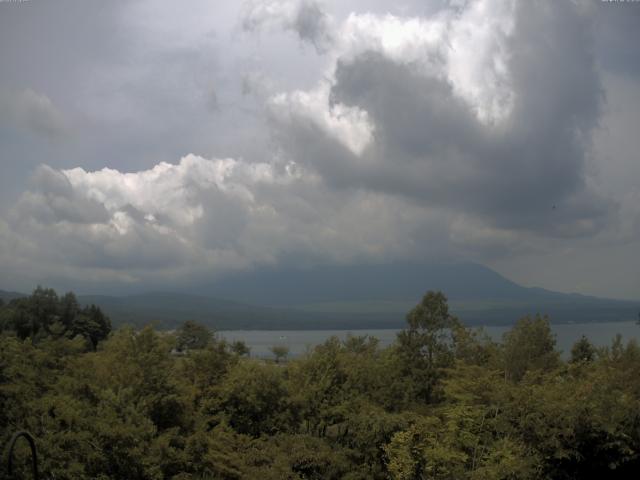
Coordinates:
6	296
168	310
401	281
386	292
352	297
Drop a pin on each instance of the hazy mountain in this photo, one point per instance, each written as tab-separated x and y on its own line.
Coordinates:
171	309
374	296
384	293
402	281
8	296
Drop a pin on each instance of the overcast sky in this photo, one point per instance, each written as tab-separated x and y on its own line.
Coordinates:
158	144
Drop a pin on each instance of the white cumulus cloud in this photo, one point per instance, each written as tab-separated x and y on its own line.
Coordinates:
197	217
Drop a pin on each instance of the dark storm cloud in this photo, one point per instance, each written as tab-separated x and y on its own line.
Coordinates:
525	172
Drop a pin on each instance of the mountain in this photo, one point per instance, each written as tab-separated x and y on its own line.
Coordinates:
384	293
400	281
169	310
8	296
353	297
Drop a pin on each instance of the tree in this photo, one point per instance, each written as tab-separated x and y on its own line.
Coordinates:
427	346
44	314
529	345
5	317
144	367
92	324
240	348
68	309
255	400
193	336
31	317
280	352
583	351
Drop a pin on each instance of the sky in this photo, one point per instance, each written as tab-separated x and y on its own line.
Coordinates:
163	144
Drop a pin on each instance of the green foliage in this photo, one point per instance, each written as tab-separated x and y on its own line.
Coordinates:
255	400
583	351
529	346
44	314
280	352
427	346
443	402
193	336
240	348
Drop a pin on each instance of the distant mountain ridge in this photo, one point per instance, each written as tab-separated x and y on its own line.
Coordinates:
8	296
400	281
169	309
384	293
354	297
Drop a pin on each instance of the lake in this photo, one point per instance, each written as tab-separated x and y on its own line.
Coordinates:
299	341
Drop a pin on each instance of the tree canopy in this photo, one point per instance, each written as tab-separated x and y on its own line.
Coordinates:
443	402
44	314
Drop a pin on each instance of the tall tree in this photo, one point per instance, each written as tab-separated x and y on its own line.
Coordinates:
240	348
426	346
193	336
280	352
529	345
92	324
583	351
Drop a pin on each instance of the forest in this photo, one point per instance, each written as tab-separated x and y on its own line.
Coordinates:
443	402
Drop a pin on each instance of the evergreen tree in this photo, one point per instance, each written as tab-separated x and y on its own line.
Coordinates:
427	345
583	351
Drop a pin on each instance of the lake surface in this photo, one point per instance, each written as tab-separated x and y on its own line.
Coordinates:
299	341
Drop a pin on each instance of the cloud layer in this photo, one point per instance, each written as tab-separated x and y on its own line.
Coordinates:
469	101
462	129
201	217
31	111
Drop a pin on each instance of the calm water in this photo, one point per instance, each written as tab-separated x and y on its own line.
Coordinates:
299	341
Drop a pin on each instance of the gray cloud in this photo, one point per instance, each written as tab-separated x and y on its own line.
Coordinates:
306	18
33	112
439	129
617	36
526	171
312	25
52	199
201	217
